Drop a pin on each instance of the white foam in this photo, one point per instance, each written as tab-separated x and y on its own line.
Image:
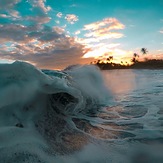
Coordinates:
24	97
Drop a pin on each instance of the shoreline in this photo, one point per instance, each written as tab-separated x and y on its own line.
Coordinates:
149	64
131	68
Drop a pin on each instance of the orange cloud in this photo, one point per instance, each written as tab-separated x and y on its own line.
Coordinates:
58	29
71	18
86	41
104	29
113	22
98	35
103	35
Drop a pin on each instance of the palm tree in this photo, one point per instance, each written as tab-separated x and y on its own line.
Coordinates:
136	55
110	58
144	50
98	62
135	58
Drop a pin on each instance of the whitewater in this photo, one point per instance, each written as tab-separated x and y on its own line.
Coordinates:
80	115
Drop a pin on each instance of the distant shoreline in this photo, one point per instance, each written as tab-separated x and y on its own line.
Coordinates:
134	69
149	64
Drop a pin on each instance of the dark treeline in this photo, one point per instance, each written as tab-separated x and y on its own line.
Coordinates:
136	64
148	64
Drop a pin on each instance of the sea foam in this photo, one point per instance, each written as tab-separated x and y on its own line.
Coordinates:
37	107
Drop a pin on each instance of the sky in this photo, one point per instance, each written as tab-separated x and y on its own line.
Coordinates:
53	34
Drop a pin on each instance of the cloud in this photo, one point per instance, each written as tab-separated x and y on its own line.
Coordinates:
28	38
71	18
39	12
104	29
59	15
57	22
37	19
50	47
41	45
111	23
77	32
99	38
7	4
12	32
40	4
56	54
24	34
14	14
104	35
4	16
7	9
58	29
87	41
101	51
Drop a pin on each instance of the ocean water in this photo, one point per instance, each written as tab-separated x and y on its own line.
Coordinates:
80	115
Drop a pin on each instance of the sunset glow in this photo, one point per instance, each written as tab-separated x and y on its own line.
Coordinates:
54	35
81	81
120	56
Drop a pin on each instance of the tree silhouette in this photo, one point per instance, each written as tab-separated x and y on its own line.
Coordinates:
98	62
144	50
135	58
136	55
110	58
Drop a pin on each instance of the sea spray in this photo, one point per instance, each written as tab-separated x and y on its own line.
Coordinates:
37	107
69	116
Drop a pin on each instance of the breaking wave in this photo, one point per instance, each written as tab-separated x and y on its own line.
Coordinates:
39	108
70	116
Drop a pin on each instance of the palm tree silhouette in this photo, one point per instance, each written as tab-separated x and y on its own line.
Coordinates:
136	55
135	58
110	58
144	50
